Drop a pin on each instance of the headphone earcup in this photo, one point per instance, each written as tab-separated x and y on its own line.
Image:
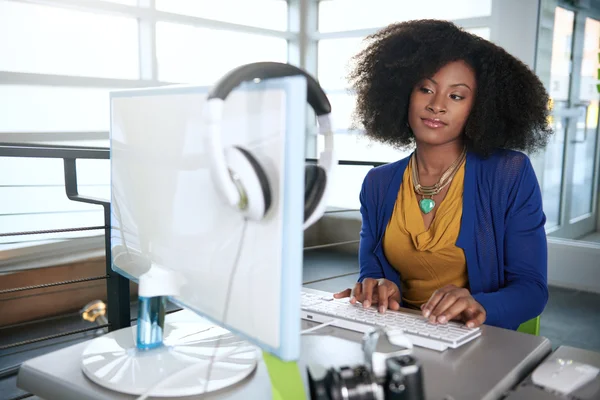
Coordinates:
253	180
315	180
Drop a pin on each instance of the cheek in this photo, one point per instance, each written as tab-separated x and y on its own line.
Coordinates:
414	106
462	114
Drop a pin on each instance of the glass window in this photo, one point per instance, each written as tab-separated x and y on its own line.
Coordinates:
270	14
587	125
343	15
348	179
51	109
356	146
35	222
48	40
345	189
26	200
335	60
482	32
335	57
342	107
559	93
30	172
202	55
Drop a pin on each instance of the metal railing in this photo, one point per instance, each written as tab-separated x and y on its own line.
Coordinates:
117	286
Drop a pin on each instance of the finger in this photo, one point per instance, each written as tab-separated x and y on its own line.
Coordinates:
368	285
383	293
477	321
461	304
356	293
446	302
394	305
467	315
342	294
433	301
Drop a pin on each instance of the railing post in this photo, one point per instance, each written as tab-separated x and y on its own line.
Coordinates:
117	286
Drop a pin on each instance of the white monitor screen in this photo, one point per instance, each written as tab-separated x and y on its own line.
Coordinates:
167	212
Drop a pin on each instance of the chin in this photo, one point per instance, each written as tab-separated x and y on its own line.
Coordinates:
432	138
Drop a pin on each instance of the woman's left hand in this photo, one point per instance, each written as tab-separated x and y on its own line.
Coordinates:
452	302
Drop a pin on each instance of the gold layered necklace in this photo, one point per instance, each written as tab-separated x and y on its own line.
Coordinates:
426	204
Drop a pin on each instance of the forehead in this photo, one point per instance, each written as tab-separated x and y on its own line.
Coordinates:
455	72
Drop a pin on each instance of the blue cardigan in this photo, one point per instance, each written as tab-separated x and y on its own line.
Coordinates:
501	232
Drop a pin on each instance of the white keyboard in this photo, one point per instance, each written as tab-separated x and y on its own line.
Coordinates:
322	307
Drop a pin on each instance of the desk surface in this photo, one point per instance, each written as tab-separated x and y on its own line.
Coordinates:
527	391
482	369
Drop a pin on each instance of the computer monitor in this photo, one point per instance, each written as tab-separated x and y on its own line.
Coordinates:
169	223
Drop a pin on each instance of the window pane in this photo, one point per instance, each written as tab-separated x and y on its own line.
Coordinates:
560	69
201	55
342	15
335	61
481	32
51	109
587	125
358	147
42	39
50	172
342	107
346	186
270	14
335	57
35	222
27	200
348	179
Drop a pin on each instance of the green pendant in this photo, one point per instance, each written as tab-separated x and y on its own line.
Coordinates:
426	205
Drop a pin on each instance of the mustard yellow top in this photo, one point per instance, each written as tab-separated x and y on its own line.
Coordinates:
426	260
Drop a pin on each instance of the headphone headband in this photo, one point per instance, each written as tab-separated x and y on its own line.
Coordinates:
265	70
235	170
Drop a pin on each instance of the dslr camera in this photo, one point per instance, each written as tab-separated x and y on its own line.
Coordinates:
390	372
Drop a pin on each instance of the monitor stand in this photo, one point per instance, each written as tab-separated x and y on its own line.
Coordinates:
192	357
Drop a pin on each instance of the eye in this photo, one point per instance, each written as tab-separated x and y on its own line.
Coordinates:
425	90
456	97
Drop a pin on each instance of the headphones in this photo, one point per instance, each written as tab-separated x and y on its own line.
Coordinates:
238	174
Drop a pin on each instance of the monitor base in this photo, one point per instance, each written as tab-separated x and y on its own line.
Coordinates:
179	367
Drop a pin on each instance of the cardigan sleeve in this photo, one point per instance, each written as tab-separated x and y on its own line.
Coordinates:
369	265
525	292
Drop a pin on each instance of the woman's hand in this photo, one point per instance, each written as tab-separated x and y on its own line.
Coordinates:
452	302
373	291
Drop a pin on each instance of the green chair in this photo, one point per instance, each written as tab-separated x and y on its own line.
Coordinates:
532	326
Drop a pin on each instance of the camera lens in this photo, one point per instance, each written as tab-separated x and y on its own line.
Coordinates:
406	360
359	384
345	383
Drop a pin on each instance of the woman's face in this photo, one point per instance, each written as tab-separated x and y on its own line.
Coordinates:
440	105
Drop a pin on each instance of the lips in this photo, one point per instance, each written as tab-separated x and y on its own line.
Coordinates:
433	123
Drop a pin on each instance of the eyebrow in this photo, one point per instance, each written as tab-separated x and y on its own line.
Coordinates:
456	84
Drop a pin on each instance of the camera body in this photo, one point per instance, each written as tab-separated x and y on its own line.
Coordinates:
390	372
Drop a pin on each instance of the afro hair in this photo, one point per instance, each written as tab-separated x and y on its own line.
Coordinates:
511	105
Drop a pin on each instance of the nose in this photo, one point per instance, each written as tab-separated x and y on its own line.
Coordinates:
437	105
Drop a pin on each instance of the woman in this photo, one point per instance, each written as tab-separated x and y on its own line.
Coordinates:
457	228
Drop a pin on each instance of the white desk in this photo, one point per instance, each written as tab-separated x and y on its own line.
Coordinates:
526	390
483	369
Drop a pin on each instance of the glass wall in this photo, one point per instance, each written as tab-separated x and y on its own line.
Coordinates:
568	64
59	60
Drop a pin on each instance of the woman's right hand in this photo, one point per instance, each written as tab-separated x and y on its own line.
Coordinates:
371	291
